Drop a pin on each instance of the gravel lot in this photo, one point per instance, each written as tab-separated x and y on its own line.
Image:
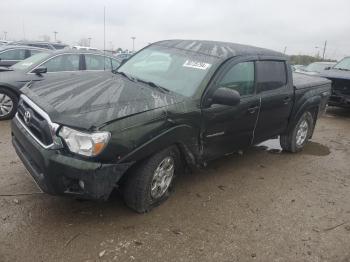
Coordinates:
262	205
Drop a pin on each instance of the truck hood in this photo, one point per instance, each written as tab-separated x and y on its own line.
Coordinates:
337	74
89	100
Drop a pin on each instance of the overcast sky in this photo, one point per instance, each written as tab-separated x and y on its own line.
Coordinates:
299	25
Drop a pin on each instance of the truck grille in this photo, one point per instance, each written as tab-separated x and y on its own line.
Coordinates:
341	87
33	121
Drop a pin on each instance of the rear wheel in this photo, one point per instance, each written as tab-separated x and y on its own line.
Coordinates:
296	139
8	104
150	183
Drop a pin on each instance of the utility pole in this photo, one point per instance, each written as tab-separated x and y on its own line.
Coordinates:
285	50
104	29
55	33
89	41
324	49
5	34
133	43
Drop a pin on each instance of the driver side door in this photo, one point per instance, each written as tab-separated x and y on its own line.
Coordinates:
226	129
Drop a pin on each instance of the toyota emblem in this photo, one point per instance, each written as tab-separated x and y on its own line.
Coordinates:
27	117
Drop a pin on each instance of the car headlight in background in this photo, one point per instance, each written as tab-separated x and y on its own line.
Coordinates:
86	144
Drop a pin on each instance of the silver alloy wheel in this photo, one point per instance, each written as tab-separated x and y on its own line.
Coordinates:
162	177
302	132
6	105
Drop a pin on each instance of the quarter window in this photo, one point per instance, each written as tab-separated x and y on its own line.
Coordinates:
14	54
271	75
97	62
63	63
240	78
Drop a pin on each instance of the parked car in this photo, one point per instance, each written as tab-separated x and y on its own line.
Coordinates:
4	42
10	55
78	47
340	76
41	44
197	100
123	56
47	65
297	67
316	68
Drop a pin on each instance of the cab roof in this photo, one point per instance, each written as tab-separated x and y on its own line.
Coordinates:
221	50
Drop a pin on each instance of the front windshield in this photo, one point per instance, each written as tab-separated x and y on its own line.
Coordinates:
343	64
316	67
30	61
174	69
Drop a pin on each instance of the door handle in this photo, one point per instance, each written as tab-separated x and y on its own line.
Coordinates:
286	100
252	109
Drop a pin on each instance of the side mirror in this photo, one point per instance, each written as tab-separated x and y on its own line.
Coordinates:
226	96
328	68
40	70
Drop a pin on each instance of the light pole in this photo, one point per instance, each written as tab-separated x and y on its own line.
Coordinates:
55	33
318	51
133	43
5	34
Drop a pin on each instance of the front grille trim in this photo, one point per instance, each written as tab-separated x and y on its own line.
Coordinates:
44	115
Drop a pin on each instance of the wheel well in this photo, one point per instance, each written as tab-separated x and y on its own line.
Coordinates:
11	90
314	114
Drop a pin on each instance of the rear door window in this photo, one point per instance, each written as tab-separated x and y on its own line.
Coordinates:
67	62
97	62
271	75
13	54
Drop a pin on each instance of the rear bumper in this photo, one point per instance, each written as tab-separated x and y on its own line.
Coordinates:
339	100
59	174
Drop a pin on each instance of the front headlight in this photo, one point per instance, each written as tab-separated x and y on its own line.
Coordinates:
86	144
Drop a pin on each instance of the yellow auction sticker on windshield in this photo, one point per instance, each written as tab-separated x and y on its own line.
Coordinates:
196	64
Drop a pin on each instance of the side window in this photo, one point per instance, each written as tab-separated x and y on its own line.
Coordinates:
240	78
14	54
63	63
271	75
115	64
97	62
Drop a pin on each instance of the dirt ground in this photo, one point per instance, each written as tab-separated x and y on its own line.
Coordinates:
261	205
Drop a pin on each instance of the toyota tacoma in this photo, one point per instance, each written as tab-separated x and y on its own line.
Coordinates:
174	104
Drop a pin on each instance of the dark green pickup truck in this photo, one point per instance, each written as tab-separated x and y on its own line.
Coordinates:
174	103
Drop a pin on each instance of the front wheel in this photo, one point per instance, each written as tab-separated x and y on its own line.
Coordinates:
8	104
296	139
150	183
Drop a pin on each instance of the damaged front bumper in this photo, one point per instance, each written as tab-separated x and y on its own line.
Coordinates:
58	174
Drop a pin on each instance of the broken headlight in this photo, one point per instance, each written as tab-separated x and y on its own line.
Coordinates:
86	144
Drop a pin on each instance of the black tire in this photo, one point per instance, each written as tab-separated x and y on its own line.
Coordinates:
289	141
14	99
136	188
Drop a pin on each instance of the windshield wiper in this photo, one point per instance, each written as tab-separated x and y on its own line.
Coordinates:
154	85
342	69
123	74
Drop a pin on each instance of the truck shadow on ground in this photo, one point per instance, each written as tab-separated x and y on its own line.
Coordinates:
191	189
338	111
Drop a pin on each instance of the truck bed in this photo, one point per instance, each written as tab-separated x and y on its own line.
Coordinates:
301	81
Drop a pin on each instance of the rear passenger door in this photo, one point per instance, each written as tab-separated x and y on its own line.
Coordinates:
276	99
